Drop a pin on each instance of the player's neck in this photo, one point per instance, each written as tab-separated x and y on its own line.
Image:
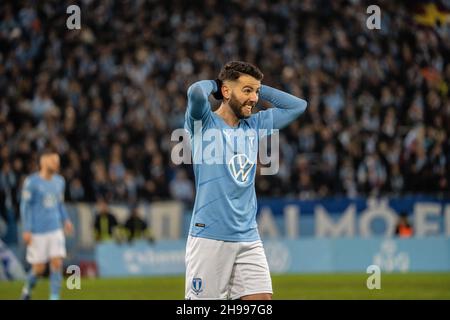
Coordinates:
46	175
225	112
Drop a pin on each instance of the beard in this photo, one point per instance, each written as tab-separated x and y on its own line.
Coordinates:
53	168
237	107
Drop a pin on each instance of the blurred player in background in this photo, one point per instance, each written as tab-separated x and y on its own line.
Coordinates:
225	257
44	218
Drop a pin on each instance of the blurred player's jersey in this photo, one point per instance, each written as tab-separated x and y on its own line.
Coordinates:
41	204
225	204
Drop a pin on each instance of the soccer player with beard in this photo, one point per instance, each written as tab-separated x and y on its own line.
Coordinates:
225	258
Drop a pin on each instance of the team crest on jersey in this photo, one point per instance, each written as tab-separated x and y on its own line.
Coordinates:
26	195
49	201
240	167
197	285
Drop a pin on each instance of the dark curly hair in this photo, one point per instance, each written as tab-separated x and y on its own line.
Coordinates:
234	69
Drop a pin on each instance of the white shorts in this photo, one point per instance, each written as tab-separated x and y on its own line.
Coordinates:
45	246
225	270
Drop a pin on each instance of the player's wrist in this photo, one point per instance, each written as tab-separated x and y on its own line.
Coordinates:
218	93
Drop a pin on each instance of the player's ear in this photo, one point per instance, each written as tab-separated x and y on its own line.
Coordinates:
226	90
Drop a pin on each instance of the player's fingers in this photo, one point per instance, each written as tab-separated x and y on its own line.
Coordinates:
27	239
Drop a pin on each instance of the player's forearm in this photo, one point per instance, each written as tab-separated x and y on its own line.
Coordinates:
25	216
197	95
63	213
287	107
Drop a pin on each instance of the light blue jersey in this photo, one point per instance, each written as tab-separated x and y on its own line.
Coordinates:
225	203
41	206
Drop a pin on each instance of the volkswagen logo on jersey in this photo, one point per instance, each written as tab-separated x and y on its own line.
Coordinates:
240	167
197	285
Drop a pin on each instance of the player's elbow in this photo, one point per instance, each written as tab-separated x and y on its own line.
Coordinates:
299	107
195	93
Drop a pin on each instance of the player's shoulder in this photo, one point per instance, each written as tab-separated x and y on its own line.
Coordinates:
31	179
254	120
59	178
263	119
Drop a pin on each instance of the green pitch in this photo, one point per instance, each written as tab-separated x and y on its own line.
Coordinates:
298	287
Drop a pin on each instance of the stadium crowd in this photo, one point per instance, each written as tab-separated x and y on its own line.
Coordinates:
109	95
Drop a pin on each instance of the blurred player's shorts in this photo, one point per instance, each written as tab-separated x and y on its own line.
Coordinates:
45	246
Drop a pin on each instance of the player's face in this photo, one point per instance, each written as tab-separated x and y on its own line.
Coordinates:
244	96
50	162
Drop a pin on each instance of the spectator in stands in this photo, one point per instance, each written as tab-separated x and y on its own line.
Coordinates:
181	188
135	227
404	228
378	120
105	225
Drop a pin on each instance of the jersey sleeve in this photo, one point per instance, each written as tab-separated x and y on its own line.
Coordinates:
198	106
286	109
61	207
26	198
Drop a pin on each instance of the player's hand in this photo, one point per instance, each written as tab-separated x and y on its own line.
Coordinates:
68	228
218	94
26	238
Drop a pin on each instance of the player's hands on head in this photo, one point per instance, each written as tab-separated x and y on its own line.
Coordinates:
218	94
68	228
26	237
